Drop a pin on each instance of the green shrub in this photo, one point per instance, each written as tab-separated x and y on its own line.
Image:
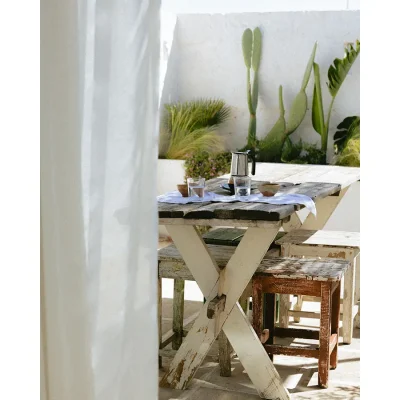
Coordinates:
207	165
347	142
350	155
302	153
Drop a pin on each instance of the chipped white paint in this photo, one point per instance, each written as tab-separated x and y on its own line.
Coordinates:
239	271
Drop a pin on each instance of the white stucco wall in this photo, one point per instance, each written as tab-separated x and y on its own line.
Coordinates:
210	64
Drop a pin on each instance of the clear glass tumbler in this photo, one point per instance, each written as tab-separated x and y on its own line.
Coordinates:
242	185
196	187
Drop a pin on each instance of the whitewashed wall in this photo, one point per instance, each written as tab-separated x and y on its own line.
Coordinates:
210	64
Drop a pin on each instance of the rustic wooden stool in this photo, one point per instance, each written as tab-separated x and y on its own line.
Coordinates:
171	265
325	244
304	277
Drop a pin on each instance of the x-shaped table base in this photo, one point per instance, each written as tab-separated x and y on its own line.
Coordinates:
231	282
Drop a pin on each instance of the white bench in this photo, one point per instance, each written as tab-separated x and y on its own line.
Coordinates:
325	244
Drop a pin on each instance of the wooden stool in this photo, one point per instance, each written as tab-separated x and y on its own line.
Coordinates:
325	244
304	277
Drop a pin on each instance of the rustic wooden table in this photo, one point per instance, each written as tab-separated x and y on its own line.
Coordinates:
326	185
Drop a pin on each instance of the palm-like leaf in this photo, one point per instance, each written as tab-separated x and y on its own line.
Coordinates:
338	71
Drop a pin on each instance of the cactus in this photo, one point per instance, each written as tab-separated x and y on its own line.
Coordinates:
251	46
270	148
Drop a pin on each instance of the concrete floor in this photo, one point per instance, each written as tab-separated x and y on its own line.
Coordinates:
298	374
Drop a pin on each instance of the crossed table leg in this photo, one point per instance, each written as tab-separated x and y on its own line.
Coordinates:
227	285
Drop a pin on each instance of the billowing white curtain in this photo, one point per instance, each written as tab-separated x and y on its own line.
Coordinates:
99	113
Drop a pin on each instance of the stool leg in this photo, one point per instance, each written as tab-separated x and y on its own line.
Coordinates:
348	304
270	318
177	313
324	334
224	355
284	307
357	291
297	307
159	319
257	306
335	318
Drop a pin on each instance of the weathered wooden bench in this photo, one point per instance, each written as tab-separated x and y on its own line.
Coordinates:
172	266
313	277
325	244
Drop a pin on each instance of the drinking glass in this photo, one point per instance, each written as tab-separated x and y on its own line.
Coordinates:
242	185
196	187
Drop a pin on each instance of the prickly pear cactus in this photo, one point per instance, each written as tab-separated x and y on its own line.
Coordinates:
270	148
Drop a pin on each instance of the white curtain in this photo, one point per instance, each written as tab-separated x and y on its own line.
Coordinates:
99	94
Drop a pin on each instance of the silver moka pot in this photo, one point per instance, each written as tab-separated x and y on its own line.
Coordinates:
240	163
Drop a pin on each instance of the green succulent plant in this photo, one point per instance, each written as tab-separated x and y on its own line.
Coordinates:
336	75
270	148
192	126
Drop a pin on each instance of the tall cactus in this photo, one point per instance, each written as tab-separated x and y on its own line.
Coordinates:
251	46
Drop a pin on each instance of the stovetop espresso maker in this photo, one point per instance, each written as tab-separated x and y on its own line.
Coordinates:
240	163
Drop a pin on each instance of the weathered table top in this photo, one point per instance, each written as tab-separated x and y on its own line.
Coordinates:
246	211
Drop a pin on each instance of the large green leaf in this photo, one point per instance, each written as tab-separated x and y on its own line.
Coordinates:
317	115
257	44
307	72
338	71
247	46
348	129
